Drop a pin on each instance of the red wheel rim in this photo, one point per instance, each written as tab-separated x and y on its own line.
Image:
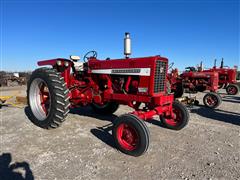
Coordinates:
127	137
177	118
44	97
211	100
232	90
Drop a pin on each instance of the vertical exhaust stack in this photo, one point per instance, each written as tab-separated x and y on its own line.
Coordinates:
222	63
201	66
215	63
127	45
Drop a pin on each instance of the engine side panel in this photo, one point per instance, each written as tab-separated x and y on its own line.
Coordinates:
151	72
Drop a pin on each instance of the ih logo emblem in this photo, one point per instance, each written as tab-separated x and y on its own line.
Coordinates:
161	69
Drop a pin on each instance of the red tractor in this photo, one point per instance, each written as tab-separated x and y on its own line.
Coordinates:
104	84
193	81
227	78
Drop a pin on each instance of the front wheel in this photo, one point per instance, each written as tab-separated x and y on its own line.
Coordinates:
131	135
212	100
180	117
232	89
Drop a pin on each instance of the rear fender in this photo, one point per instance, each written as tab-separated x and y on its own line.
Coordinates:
52	62
64	70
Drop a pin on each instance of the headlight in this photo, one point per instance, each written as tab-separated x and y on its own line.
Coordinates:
66	63
59	63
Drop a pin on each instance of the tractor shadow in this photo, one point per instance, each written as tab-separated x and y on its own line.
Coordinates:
232	99
14	171
101	133
83	111
156	122
88	112
218	115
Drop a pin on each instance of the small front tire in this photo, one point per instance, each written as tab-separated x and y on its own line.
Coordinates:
212	100
232	89
180	119
131	135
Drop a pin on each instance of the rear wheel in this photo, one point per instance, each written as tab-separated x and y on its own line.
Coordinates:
180	117
179	90
47	98
131	135
212	100
107	108
201	88
232	89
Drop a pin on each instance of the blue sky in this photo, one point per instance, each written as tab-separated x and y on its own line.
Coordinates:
184	31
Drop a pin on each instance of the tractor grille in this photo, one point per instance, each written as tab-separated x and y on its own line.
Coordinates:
160	76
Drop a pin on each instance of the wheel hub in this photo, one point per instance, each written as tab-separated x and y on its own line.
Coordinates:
232	90
175	119
211	100
39	99
127	137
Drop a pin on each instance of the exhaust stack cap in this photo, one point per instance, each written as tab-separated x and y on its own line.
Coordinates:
127	45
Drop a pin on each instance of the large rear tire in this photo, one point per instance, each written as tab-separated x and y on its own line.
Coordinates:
48	98
107	108
232	89
179	90
212	100
180	119
201	89
131	135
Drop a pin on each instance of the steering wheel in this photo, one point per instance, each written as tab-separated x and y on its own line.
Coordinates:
87	55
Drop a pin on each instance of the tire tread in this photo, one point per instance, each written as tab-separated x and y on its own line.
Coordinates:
60	103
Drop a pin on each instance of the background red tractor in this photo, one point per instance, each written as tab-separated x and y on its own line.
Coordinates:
104	84
227	77
192	81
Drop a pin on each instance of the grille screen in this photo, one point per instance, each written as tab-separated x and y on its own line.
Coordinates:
160	76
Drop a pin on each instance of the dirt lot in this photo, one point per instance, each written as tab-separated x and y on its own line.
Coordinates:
82	148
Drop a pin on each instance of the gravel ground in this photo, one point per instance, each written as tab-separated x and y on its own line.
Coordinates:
82	148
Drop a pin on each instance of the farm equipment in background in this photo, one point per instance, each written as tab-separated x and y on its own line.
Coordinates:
104	84
227	77
193	81
238	75
3	100
12	79
13	101
175	83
